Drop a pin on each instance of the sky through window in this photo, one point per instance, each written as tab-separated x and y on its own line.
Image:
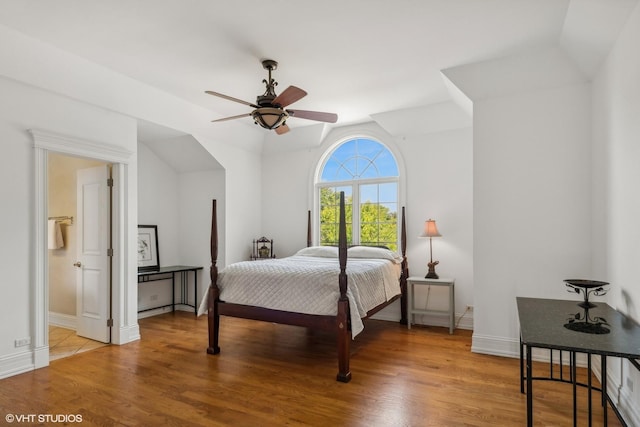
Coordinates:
359	158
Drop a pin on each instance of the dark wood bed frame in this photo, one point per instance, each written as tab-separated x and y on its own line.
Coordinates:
339	323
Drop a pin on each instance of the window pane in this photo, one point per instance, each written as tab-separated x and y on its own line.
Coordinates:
387	163
388	192
379	221
369	193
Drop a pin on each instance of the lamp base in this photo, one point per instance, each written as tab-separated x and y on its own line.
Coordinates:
431	274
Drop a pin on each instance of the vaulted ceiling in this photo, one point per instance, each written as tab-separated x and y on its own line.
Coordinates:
357	58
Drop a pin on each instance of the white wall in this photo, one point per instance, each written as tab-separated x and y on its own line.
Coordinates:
179	203
197	190
158	202
532	204
532	193
87	101
438	169
616	110
158	196
22	108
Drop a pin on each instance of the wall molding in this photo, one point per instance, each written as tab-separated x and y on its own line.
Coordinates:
74	146
16	364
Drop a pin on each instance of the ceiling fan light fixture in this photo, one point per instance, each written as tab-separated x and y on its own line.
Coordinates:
269	117
269	109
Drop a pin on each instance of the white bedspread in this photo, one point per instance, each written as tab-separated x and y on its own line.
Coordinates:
305	284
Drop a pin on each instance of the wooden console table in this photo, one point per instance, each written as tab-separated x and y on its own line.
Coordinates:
166	273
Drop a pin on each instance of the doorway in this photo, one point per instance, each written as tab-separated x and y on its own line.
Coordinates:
124	319
69	332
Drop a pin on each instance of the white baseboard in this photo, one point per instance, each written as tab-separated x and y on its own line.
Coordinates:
628	407
63	320
464	322
15	364
496	346
153	312
162	310
126	334
509	347
41	357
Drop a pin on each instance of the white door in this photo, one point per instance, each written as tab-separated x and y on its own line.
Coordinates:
93	263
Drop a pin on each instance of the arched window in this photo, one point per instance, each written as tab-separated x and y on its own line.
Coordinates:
367	172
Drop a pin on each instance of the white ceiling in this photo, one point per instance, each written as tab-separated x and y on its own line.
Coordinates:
357	58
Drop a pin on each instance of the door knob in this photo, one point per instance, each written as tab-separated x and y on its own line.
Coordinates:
77	264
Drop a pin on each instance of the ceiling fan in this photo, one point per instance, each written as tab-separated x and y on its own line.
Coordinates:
269	108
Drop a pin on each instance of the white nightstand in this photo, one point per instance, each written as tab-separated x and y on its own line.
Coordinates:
412	282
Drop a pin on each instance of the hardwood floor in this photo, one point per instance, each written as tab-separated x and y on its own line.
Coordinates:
273	375
65	342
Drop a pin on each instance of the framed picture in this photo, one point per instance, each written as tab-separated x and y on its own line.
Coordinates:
148	257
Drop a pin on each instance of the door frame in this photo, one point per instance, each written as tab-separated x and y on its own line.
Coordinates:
45	142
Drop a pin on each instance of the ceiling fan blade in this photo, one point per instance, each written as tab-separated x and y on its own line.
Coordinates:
314	115
232	117
230	98
282	129
289	96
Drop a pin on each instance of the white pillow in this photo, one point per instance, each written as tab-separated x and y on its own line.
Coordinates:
373	252
319	251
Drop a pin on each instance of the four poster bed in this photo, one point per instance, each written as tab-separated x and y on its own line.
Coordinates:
377	277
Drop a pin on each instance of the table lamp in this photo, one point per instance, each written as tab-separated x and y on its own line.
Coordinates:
430	231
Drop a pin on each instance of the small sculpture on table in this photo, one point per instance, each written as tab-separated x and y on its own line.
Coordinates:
585	323
262	249
587	287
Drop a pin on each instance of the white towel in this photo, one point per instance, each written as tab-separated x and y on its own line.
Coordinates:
55	235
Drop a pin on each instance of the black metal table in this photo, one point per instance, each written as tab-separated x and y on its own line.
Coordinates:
165	273
564	326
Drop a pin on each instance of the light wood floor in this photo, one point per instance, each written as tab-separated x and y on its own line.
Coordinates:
65	342
275	375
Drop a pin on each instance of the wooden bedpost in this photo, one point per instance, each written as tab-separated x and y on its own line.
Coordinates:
309	242
343	318
405	270
213	316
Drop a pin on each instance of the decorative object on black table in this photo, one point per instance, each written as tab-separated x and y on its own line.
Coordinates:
262	249
430	231
587	287
583	322
148	255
